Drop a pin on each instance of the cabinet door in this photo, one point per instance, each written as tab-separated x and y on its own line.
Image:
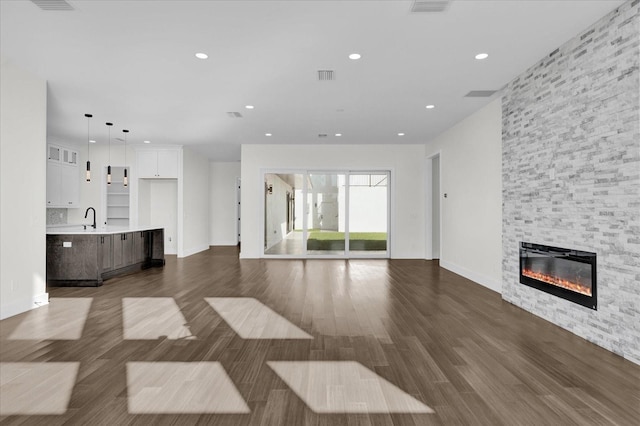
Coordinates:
147	164
69	186
107	252
168	164
54	152
118	255
127	248
53	184
69	156
138	246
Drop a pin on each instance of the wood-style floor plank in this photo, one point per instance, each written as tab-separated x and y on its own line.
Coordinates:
451	344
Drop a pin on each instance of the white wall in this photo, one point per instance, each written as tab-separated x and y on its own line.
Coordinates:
223	203
471	221
406	163
23	161
195	204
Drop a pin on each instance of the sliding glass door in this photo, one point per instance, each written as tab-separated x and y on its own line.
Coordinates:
326	204
368	213
326	214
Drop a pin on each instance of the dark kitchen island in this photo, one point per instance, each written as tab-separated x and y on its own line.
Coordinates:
85	258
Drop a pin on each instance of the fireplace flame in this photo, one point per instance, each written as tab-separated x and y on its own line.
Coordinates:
558	282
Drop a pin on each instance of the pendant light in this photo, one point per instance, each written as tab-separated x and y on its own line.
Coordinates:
109	163
88	174
125	180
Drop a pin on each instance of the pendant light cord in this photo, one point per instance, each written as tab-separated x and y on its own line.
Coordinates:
88	138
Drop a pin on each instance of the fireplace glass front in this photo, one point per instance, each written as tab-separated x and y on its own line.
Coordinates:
566	273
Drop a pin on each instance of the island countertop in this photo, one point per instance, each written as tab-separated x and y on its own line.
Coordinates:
101	230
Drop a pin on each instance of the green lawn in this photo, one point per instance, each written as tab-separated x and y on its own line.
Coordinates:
330	240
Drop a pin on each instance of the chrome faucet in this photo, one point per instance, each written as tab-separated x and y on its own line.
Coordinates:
94	217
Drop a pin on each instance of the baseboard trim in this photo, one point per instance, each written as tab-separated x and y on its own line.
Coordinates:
224	243
194	250
481	279
23	305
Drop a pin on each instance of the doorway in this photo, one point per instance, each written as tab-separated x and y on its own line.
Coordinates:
158	206
327	214
433	217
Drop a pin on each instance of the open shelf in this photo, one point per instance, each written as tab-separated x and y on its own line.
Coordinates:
118	200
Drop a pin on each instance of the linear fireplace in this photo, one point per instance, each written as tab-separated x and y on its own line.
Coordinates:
566	273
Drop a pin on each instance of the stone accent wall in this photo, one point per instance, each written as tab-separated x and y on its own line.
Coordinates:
571	175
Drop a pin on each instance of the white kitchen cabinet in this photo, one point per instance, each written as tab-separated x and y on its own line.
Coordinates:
160	163
63	185
60	154
63	177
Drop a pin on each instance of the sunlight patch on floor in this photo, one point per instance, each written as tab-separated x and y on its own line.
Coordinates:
250	319
61	319
150	318
182	388
344	387
36	388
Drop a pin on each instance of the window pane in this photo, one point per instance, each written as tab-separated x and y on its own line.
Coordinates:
368	195
326	197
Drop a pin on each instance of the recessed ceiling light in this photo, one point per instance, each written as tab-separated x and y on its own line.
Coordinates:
200	55
92	141
430	106
147	141
267	134
249	106
400	134
355	56
338	134
482	56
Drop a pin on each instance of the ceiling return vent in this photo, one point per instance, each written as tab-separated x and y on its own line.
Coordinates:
322	135
234	114
422	6
480	93
326	75
52	5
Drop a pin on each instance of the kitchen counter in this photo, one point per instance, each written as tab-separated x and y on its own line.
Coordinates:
78	257
67	229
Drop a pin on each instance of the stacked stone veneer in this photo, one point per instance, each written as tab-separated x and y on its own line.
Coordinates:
571	175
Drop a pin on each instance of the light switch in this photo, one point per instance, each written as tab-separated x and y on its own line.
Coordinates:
66	244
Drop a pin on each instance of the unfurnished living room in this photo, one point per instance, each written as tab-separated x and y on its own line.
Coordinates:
384	212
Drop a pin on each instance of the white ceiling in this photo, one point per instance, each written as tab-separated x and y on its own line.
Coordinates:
133	63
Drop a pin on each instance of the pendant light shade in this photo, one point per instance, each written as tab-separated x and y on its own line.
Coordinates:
125	180
109	164
88	173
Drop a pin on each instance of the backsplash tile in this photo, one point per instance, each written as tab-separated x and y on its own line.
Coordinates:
56	216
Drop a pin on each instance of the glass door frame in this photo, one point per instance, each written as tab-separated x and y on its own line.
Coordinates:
305	213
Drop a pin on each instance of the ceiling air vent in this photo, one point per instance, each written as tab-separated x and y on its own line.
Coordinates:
326	75
480	93
52	4
233	114
421	6
322	135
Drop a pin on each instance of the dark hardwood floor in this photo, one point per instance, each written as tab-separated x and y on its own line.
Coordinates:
445	344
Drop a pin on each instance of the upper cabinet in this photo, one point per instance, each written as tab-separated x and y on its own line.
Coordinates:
63	177
157	163
59	154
